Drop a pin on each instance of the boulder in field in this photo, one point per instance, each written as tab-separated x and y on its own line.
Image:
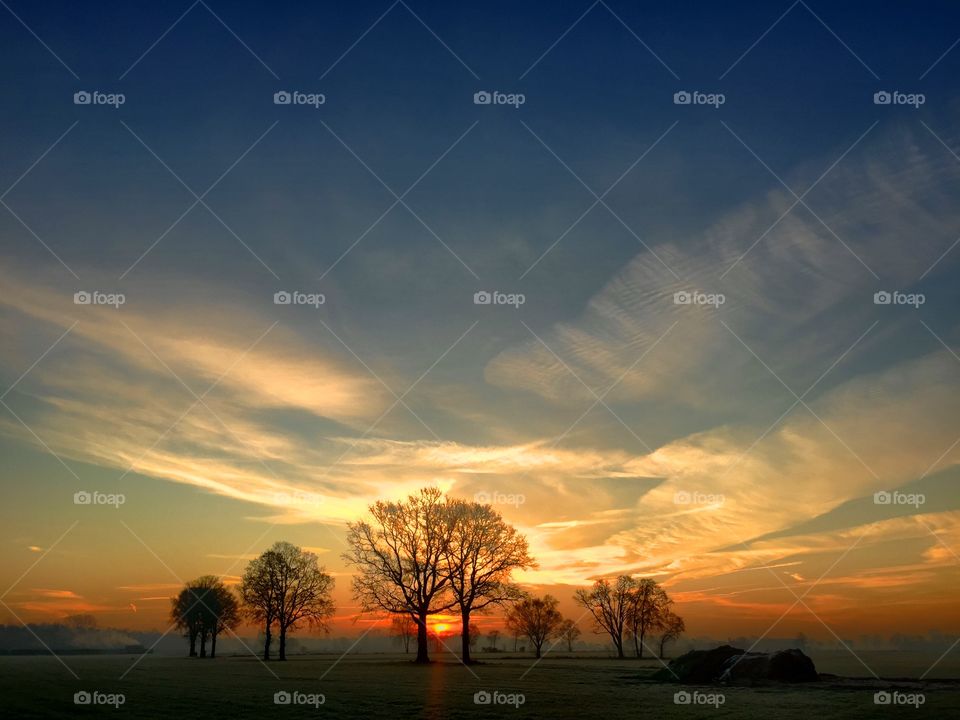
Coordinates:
698	666
781	666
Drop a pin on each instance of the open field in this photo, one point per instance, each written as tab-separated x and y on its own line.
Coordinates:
384	686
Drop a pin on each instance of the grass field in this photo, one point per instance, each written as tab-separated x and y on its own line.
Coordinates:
384	686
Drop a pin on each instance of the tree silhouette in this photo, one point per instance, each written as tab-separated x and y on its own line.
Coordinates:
673	627
647	611
610	606
494	636
535	618
569	631
405	629
400	560
286	585
481	554
202	610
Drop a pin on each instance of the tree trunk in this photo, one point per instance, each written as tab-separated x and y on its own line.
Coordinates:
422	649
193	643
618	643
266	642
662	641
213	645
640	649
537	649
465	636
283	642
203	645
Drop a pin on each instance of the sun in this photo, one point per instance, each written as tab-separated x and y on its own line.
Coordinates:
441	627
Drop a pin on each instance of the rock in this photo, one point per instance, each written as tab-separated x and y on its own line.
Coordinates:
728	664
698	666
780	666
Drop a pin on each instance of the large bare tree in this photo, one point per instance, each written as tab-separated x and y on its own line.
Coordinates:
400	560
258	594
610	604
481	554
535	618
673	627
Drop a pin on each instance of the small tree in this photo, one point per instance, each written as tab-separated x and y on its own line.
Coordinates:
535	618
302	592
404	629
647	611
189	613
569	632
610	606
221	612
673	627
258	593
494	636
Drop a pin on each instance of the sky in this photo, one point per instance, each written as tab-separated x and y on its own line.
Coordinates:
730	447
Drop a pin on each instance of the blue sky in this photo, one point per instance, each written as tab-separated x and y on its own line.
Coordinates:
304	401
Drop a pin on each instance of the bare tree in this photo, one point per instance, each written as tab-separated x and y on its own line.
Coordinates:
610	606
494	636
258	589
221	612
302	591
400	560
535	618
673	627
482	552
569	632
403	628
647	611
